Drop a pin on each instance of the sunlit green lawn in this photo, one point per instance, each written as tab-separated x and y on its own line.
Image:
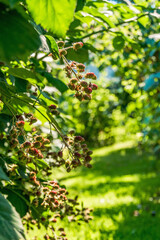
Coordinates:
123	188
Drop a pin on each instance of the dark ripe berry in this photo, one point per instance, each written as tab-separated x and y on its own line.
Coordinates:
60	44
61	229
56	202
77	154
77	45
26	145
84	145
71	86
46	141
38	193
79	96
73	80
68	169
52	106
55	112
33	120
85	150
94	86
60	154
20	124
62	52
88	158
72	132
37	144
89	153
90	75
39	138
78	139
77	145
43	219
87	96
84	84
66	138
88	165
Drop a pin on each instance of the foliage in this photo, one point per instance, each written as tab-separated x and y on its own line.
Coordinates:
34	120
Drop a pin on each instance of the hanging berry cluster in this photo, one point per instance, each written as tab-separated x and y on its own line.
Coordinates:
32	153
76	73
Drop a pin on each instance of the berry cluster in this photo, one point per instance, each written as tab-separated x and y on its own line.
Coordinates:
78	153
76	73
48	200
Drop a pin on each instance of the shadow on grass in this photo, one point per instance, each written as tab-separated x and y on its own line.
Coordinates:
129	181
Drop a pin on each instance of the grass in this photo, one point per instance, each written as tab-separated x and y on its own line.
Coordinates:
123	189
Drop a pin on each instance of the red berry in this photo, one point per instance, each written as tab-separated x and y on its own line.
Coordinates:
20	124
94	86
52	106
90	75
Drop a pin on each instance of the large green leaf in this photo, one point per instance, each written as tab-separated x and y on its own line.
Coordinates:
81	55
11	227
18	39
17	199
23	74
52	14
62	87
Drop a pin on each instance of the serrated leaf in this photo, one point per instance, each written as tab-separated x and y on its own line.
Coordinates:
53	15
18	39
10	222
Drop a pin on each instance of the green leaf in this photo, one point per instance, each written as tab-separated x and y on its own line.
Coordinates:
21	85
3	176
18	39
41	163
81	55
80	5
53	45
62	87
10	222
94	12
23	74
53	15
18	202
118	42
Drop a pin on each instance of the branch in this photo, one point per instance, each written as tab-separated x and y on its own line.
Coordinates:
109	28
